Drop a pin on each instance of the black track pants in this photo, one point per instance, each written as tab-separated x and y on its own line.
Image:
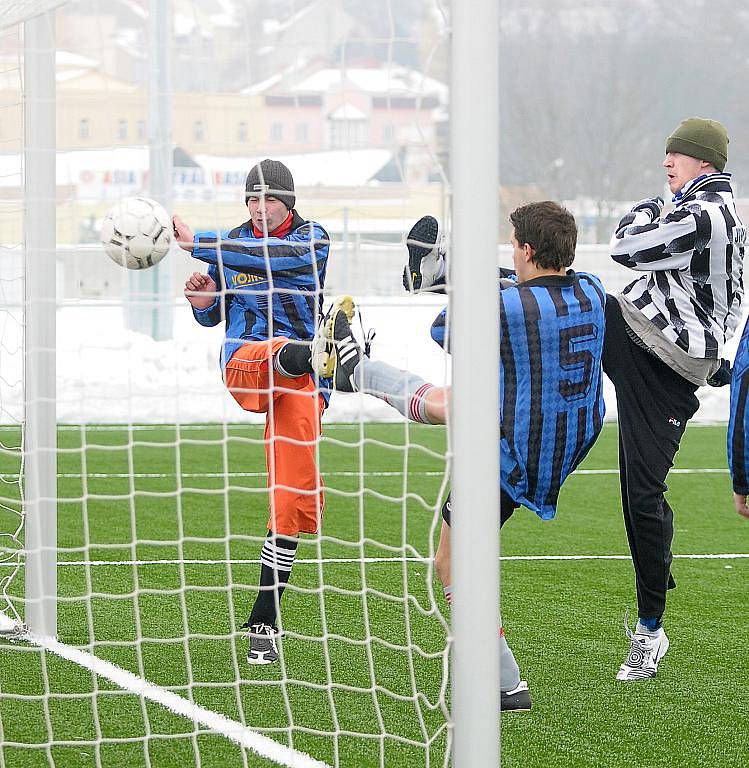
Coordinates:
654	404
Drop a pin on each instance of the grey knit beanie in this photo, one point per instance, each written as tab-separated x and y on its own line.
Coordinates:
274	179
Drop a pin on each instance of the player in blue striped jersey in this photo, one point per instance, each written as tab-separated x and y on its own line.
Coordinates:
265	280
551	395
551	342
738	426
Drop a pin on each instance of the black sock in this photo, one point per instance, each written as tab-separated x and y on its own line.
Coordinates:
293	359
277	558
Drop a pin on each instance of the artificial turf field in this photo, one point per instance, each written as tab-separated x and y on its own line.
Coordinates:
201	498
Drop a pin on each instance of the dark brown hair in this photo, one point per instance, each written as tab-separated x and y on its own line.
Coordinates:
550	230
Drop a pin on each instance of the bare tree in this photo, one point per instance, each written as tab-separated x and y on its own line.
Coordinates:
590	90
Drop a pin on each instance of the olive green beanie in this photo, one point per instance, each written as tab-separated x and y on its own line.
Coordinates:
704	139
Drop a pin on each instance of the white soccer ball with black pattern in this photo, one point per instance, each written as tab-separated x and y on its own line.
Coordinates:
137	233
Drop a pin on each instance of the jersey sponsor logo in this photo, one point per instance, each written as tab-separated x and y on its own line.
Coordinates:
738	236
242	278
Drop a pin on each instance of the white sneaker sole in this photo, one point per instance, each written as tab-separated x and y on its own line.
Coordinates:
259	659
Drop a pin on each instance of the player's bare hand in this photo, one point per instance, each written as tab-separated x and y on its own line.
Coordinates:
183	233
200	290
739	501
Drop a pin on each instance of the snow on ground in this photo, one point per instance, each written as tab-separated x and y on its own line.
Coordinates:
112	374
107	374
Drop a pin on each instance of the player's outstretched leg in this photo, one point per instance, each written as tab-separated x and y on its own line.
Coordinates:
424	258
322	355
646	648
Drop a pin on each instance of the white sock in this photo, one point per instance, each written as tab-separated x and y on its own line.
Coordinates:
509	672
643	630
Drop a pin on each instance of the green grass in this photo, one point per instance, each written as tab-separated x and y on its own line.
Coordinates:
206	500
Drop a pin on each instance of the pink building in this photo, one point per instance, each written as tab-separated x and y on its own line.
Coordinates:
361	107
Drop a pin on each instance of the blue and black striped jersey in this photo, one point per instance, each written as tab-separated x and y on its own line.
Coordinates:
738	424
439	331
551	383
270	286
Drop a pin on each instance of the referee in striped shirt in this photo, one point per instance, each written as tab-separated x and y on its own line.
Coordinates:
664	338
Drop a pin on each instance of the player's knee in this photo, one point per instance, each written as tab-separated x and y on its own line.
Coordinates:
436	405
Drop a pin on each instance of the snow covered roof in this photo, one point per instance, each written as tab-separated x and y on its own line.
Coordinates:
395	80
275	26
69	66
347	112
339	168
297	64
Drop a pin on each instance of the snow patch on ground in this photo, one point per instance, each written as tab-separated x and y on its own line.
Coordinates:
108	374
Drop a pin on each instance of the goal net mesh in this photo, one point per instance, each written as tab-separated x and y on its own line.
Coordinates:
162	486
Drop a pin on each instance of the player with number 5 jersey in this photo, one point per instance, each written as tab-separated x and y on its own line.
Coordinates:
551	406
551	343
551	400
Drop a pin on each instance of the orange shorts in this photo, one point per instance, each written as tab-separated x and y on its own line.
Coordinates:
293	411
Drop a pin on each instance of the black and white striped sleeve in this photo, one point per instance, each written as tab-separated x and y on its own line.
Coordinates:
733	319
668	243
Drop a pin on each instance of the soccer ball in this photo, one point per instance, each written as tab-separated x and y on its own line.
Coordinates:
136	233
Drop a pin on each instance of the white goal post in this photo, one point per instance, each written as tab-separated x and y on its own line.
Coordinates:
40	430
474	157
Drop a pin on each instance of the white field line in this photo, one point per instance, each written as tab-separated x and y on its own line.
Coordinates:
232	730
230	426
416	473
379	560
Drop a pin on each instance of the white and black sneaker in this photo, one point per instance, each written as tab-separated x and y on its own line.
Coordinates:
426	256
348	353
516	700
263	648
646	649
322	355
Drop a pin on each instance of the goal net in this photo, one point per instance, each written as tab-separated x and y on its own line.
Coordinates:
158	493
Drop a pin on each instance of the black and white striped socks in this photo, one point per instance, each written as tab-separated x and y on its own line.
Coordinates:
348	353
277	558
